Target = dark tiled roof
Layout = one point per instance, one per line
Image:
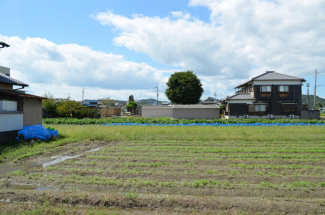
(271, 75)
(14, 93)
(241, 96)
(8, 80)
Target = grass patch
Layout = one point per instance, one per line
(86, 133)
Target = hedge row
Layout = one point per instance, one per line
(140, 120)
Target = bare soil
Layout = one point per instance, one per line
(150, 183)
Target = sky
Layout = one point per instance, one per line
(118, 48)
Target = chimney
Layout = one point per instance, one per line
(5, 70)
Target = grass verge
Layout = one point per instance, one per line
(72, 134)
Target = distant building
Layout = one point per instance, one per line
(210, 100)
(91, 103)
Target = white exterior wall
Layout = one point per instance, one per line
(154, 111)
(11, 122)
(8, 105)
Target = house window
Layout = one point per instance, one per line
(265, 89)
(250, 89)
(283, 88)
(289, 107)
(260, 108)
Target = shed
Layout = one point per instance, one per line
(157, 111)
(196, 112)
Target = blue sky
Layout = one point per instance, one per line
(118, 48)
(70, 22)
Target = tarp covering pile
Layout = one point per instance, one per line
(37, 132)
(219, 124)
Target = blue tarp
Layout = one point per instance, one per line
(37, 132)
(219, 124)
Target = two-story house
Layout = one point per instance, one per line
(269, 95)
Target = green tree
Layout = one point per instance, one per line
(50, 105)
(73, 109)
(319, 105)
(184, 88)
(132, 106)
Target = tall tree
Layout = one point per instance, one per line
(184, 88)
(50, 105)
(132, 106)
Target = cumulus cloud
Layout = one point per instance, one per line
(244, 38)
(69, 67)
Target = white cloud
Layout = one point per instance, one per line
(244, 38)
(67, 68)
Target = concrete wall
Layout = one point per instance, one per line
(310, 114)
(32, 111)
(157, 111)
(196, 113)
(9, 122)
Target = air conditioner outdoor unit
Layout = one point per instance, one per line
(245, 116)
(271, 116)
(292, 116)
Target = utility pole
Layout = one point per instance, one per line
(83, 93)
(157, 95)
(315, 89)
(308, 95)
